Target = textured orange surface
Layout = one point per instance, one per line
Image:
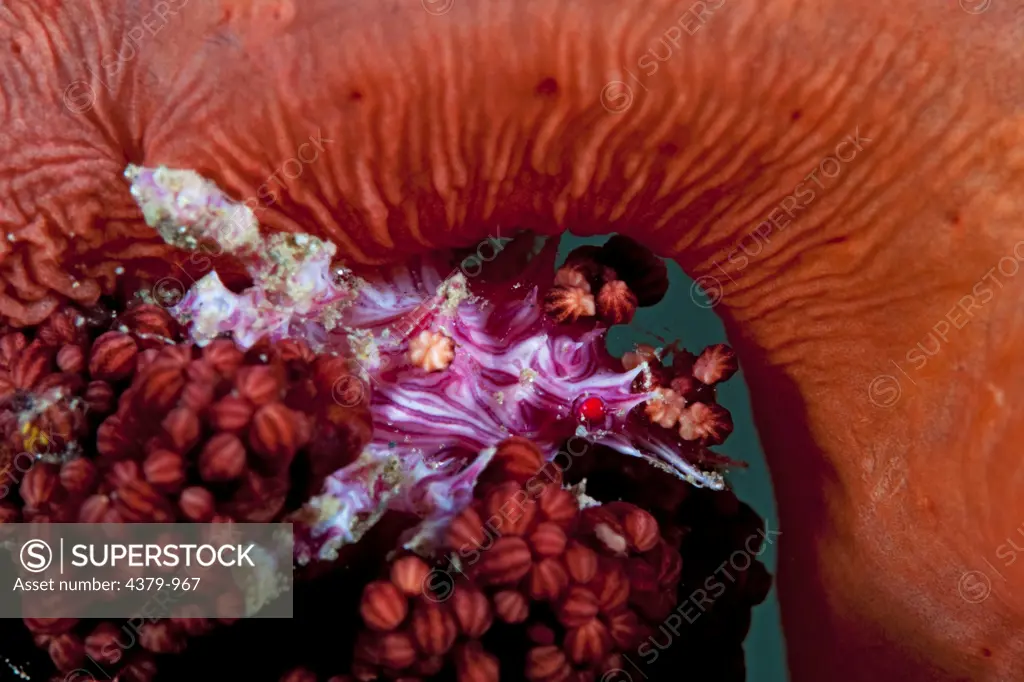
(876, 304)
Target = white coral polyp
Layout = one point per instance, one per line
(665, 407)
(431, 351)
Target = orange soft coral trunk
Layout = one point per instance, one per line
(397, 128)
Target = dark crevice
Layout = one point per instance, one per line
(548, 86)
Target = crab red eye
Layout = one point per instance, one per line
(592, 409)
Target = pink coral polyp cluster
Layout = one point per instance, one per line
(449, 372)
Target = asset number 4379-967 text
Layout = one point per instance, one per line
(148, 584)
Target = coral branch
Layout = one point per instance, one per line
(187, 209)
(295, 293)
